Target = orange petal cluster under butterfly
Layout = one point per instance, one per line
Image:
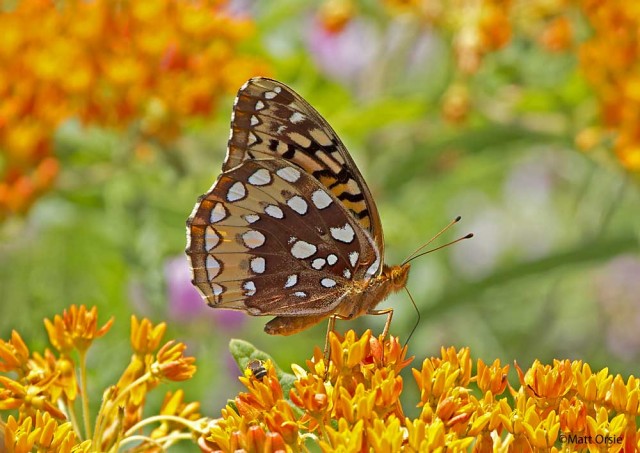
(108, 63)
(354, 405)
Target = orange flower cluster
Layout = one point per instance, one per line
(44, 390)
(610, 61)
(108, 63)
(353, 405)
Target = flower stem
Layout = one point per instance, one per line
(71, 413)
(190, 424)
(85, 394)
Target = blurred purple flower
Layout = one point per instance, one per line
(346, 54)
(618, 291)
(186, 304)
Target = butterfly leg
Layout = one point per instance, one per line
(387, 324)
(327, 345)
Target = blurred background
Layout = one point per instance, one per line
(521, 116)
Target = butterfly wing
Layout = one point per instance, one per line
(269, 239)
(271, 120)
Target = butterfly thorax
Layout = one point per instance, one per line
(367, 295)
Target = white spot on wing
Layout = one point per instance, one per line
(274, 211)
(211, 239)
(343, 234)
(270, 94)
(277, 89)
(253, 138)
(292, 280)
(332, 259)
(318, 263)
(259, 105)
(328, 283)
(250, 288)
(300, 294)
(253, 239)
(289, 174)
(281, 129)
(218, 213)
(254, 120)
(217, 289)
(321, 199)
(296, 118)
(298, 204)
(261, 177)
(258, 264)
(213, 267)
(353, 258)
(373, 269)
(302, 249)
(236, 192)
(346, 273)
(252, 218)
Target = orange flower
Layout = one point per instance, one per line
(174, 405)
(557, 35)
(624, 397)
(492, 378)
(389, 353)
(13, 354)
(22, 436)
(334, 15)
(591, 388)
(145, 338)
(29, 397)
(75, 329)
(438, 375)
(310, 394)
(601, 427)
(573, 415)
(172, 364)
(120, 60)
(346, 437)
(547, 382)
(64, 367)
(541, 432)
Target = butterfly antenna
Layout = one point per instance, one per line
(417, 320)
(468, 236)
(413, 255)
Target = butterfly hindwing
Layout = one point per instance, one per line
(271, 120)
(270, 239)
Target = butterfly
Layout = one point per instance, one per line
(289, 229)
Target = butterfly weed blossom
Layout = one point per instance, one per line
(350, 402)
(43, 394)
(465, 405)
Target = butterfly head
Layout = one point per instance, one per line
(397, 275)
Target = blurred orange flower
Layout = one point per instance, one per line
(158, 63)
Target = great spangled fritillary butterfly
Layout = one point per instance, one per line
(289, 229)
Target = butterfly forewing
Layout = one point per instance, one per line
(270, 239)
(271, 120)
